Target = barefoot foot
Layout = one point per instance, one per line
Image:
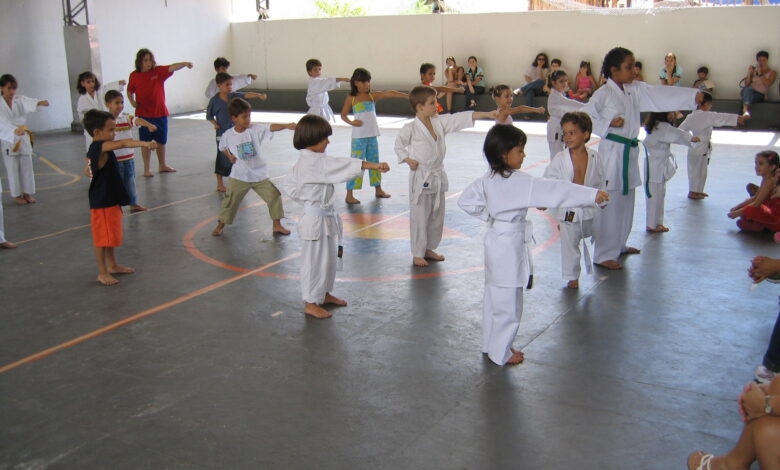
(575, 284)
(420, 262)
(333, 300)
(218, 229)
(29, 198)
(119, 269)
(657, 229)
(352, 200)
(433, 256)
(516, 358)
(630, 250)
(610, 264)
(316, 311)
(279, 228)
(107, 279)
(381, 194)
(148, 174)
(20, 200)
(8, 245)
(137, 208)
(167, 169)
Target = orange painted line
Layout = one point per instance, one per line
(138, 316)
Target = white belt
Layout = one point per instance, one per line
(316, 210)
(502, 226)
(526, 228)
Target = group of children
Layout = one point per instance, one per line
(577, 181)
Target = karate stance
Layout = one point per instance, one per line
(310, 183)
(614, 109)
(502, 198)
(580, 165)
(700, 124)
(420, 144)
(660, 165)
(317, 92)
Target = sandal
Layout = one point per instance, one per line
(704, 463)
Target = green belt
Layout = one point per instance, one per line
(627, 144)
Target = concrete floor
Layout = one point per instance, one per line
(216, 366)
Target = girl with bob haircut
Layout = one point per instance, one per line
(502, 198)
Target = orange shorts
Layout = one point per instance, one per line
(107, 226)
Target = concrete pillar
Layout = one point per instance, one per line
(82, 52)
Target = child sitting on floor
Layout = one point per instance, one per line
(761, 210)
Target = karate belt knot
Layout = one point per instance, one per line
(317, 210)
(627, 145)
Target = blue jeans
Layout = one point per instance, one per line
(478, 90)
(127, 173)
(531, 89)
(750, 96)
(772, 356)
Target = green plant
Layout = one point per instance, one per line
(420, 7)
(334, 8)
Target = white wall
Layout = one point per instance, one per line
(393, 47)
(33, 51)
(197, 31)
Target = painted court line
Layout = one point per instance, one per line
(138, 316)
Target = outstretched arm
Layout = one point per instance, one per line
(278, 127)
(448, 89)
(147, 124)
(526, 109)
(380, 95)
(127, 144)
(256, 96)
(179, 65)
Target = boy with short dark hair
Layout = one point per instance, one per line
(700, 123)
(579, 165)
(221, 65)
(317, 92)
(702, 81)
(241, 145)
(217, 114)
(420, 144)
(107, 193)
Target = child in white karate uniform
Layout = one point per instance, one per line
(421, 145)
(557, 106)
(221, 65)
(502, 198)
(15, 143)
(615, 110)
(3, 242)
(310, 183)
(317, 92)
(92, 96)
(700, 124)
(580, 165)
(660, 164)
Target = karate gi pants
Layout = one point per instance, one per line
(426, 225)
(2, 224)
(503, 307)
(654, 213)
(555, 144)
(697, 172)
(318, 268)
(614, 226)
(570, 247)
(21, 179)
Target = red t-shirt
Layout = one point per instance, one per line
(149, 90)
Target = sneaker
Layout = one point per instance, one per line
(764, 375)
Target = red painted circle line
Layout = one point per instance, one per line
(189, 245)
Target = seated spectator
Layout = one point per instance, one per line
(475, 82)
(638, 76)
(761, 268)
(584, 83)
(535, 77)
(761, 210)
(702, 81)
(759, 406)
(757, 82)
(670, 73)
(449, 79)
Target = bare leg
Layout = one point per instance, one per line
(350, 199)
(220, 184)
(104, 277)
(113, 266)
(380, 192)
(218, 229)
(449, 101)
(279, 228)
(161, 160)
(146, 155)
